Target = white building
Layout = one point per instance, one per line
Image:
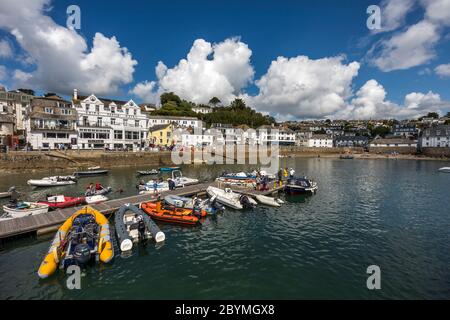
(202, 109)
(393, 143)
(109, 124)
(269, 134)
(51, 124)
(196, 140)
(436, 137)
(320, 141)
(184, 122)
(18, 104)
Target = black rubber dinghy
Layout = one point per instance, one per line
(134, 225)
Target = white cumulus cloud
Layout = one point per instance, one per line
(393, 13)
(303, 87)
(61, 57)
(370, 103)
(443, 70)
(209, 70)
(408, 49)
(146, 91)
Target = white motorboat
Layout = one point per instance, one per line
(52, 181)
(96, 199)
(230, 199)
(24, 209)
(445, 169)
(269, 201)
(149, 187)
(181, 181)
(5, 194)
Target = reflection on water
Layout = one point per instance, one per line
(390, 213)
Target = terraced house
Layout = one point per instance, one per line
(51, 123)
(109, 124)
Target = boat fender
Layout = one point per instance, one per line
(126, 245)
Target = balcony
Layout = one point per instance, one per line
(93, 124)
(56, 127)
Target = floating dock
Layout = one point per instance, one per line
(49, 222)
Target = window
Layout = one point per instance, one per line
(113, 121)
(136, 123)
(66, 111)
(118, 134)
(49, 110)
(97, 108)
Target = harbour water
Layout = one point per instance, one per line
(390, 213)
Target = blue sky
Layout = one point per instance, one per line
(165, 31)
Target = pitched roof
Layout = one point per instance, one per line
(159, 127)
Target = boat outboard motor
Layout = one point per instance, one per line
(245, 201)
(81, 254)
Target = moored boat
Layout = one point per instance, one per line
(444, 169)
(147, 172)
(133, 225)
(204, 207)
(6, 194)
(230, 199)
(168, 169)
(169, 214)
(55, 181)
(24, 209)
(92, 171)
(181, 181)
(300, 185)
(96, 192)
(83, 238)
(61, 201)
(268, 201)
(95, 199)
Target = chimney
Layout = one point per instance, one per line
(75, 94)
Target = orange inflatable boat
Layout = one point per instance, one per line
(171, 214)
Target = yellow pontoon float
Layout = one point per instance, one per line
(83, 237)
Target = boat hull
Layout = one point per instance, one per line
(227, 199)
(57, 251)
(20, 213)
(49, 183)
(68, 202)
(177, 216)
(90, 173)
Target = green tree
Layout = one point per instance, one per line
(214, 101)
(433, 115)
(169, 96)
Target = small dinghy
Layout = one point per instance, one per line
(7, 194)
(95, 199)
(149, 187)
(24, 209)
(180, 181)
(170, 214)
(208, 206)
(52, 181)
(444, 169)
(269, 201)
(98, 192)
(230, 199)
(92, 171)
(82, 239)
(133, 225)
(61, 201)
(168, 169)
(148, 172)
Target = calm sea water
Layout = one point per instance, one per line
(391, 213)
